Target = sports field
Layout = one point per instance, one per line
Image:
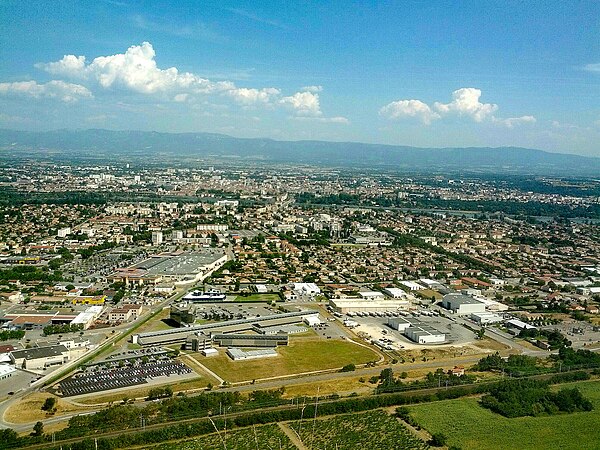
(302, 355)
(469, 426)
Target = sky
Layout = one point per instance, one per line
(421, 73)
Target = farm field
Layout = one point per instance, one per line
(469, 426)
(373, 430)
(302, 355)
(263, 437)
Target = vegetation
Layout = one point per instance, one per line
(264, 436)
(470, 427)
(517, 398)
(372, 430)
(60, 329)
(5, 335)
(29, 273)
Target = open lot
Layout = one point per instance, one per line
(302, 355)
(469, 426)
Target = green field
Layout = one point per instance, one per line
(373, 430)
(302, 355)
(469, 426)
(268, 298)
(262, 437)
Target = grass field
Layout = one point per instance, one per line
(261, 437)
(302, 355)
(469, 426)
(268, 298)
(29, 408)
(373, 430)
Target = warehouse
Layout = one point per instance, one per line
(41, 357)
(399, 323)
(346, 305)
(230, 326)
(462, 304)
(250, 340)
(486, 318)
(424, 334)
(239, 355)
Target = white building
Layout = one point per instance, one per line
(371, 295)
(157, 237)
(63, 232)
(424, 334)
(411, 285)
(486, 318)
(395, 292)
(306, 289)
(349, 304)
(462, 304)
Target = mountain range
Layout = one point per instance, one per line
(98, 142)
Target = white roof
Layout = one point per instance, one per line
(5, 369)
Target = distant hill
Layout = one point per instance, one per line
(98, 142)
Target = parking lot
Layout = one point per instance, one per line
(122, 373)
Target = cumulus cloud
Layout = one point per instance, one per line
(56, 89)
(303, 103)
(402, 109)
(465, 103)
(136, 70)
(250, 96)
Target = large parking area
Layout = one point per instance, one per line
(121, 374)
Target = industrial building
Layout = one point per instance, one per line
(422, 333)
(250, 340)
(238, 355)
(178, 268)
(348, 304)
(180, 335)
(399, 323)
(486, 318)
(462, 304)
(39, 358)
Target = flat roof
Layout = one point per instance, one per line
(461, 299)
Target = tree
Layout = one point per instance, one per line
(38, 429)
(438, 440)
(479, 334)
(49, 404)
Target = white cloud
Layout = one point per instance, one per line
(402, 109)
(250, 96)
(303, 103)
(56, 89)
(136, 70)
(592, 67)
(511, 122)
(465, 102)
(313, 89)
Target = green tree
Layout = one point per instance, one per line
(38, 429)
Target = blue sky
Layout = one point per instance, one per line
(423, 73)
